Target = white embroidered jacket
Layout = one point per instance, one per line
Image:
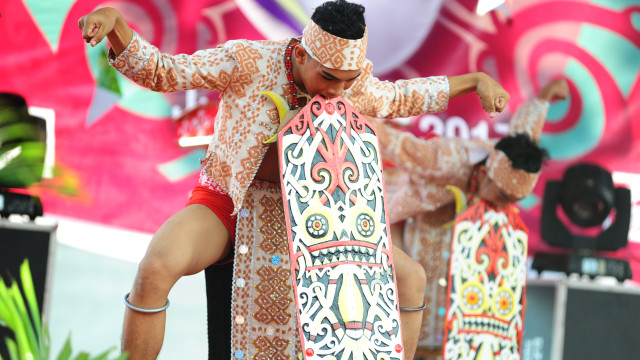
(425, 167)
(239, 69)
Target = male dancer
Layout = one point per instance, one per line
(328, 60)
(416, 189)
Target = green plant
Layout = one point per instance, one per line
(21, 315)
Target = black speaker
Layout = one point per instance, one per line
(20, 241)
(19, 204)
(580, 320)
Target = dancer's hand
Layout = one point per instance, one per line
(493, 97)
(557, 89)
(106, 22)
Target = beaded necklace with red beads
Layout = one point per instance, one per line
(288, 65)
(473, 183)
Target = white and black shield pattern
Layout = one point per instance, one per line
(341, 259)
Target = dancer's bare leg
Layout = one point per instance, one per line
(397, 231)
(186, 244)
(412, 282)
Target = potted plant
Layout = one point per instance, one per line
(20, 313)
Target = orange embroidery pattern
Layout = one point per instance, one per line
(270, 349)
(273, 301)
(262, 292)
(429, 244)
(273, 228)
(240, 69)
(332, 51)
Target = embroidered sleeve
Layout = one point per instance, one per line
(437, 160)
(143, 63)
(409, 195)
(402, 98)
(422, 168)
(530, 118)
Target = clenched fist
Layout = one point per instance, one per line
(493, 97)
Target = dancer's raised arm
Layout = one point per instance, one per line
(106, 22)
(493, 97)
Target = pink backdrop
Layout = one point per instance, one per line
(117, 161)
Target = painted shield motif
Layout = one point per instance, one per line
(486, 287)
(341, 261)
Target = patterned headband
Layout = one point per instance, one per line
(514, 182)
(332, 51)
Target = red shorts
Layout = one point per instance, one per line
(221, 205)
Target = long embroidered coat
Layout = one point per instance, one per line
(240, 69)
(416, 193)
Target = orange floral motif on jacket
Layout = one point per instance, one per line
(239, 69)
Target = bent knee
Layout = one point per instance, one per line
(156, 273)
(413, 279)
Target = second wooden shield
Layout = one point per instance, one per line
(486, 285)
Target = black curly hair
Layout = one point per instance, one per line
(341, 18)
(523, 152)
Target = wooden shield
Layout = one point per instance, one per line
(486, 284)
(341, 260)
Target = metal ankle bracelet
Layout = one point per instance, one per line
(146, 311)
(424, 306)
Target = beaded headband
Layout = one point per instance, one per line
(514, 182)
(332, 51)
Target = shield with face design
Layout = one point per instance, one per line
(486, 287)
(341, 260)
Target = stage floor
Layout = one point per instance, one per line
(93, 268)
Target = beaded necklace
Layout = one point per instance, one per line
(473, 182)
(288, 65)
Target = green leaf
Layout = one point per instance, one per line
(123, 356)
(65, 353)
(31, 336)
(45, 341)
(107, 75)
(32, 301)
(12, 349)
(104, 355)
(7, 315)
(17, 325)
(82, 356)
(25, 168)
(23, 331)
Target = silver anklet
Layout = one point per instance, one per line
(147, 311)
(424, 306)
